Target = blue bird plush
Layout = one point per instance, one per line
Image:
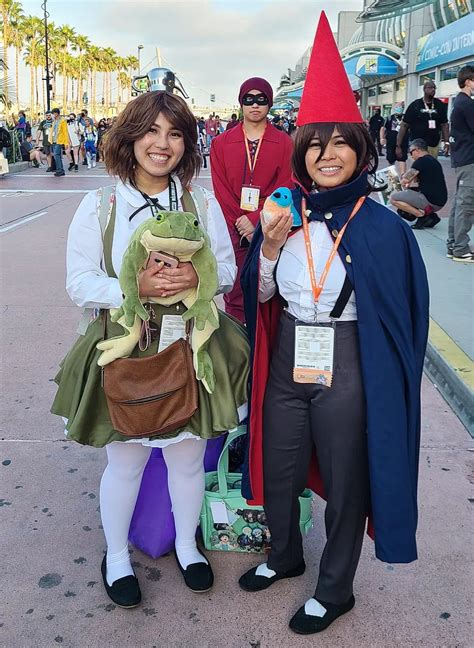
(278, 200)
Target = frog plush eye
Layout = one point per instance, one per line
(158, 217)
(196, 223)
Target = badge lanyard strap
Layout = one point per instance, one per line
(252, 163)
(317, 287)
(431, 110)
(155, 205)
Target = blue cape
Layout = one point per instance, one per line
(384, 264)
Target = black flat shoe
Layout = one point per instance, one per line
(124, 592)
(303, 623)
(406, 215)
(432, 220)
(198, 576)
(250, 582)
(420, 223)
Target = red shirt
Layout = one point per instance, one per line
(230, 170)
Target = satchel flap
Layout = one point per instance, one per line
(149, 378)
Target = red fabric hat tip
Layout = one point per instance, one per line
(327, 94)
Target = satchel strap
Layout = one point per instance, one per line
(194, 201)
(223, 463)
(108, 237)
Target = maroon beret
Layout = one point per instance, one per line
(256, 83)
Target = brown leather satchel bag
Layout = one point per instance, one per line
(152, 395)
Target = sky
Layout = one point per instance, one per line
(212, 45)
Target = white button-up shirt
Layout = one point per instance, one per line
(293, 278)
(87, 282)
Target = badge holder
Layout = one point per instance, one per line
(249, 198)
(314, 352)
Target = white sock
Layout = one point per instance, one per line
(118, 565)
(314, 608)
(263, 570)
(118, 495)
(185, 463)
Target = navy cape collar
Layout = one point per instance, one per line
(320, 202)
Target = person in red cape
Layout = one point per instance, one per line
(337, 315)
(254, 156)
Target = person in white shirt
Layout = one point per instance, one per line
(152, 149)
(337, 315)
(74, 137)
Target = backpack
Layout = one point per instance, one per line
(5, 138)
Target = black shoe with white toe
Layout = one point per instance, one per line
(251, 582)
(303, 623)
(197, 576)
(124, 592)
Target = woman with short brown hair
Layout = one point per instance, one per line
(152, 149)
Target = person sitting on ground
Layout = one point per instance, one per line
(29, 153)
(431, 194)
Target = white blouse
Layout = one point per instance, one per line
(87, 282)
(293, 279)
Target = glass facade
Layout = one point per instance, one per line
(446, 74)
(428, 76)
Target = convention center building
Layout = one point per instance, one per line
(391, 48)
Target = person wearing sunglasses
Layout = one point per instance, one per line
(424, 188)
(248, 162)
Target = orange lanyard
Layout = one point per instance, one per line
(317, 288)
(252, 163)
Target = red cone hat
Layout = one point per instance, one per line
(327, 94)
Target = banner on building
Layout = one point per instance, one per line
(451, 43)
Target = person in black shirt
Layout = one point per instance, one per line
(431, 193)
(462, 159)
(389, 138)
(29, 153)
(426, 119)
(375, 124)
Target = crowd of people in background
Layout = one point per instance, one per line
(53, 137)
(420, 131)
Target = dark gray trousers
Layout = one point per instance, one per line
(296, 417)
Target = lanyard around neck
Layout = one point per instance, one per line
(252, 162)
(317, 287)
(154, 204)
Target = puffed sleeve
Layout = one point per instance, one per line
(87, 283)
(220, 243)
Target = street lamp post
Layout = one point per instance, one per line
(46, 47)
(140, 47)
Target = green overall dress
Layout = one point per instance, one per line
(81, 399)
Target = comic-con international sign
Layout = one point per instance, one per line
(451, 43)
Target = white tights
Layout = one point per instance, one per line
(119, 491)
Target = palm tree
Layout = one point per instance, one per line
(110, 65)
(123, 83)
(83, 44)
(33, 30)
(132, 64)
(95, 62)
(11, 13)
(67, 37)
(17, 41)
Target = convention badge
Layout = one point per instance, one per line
(249, 198)
(431, 123)
(173, 327)
(314, 354)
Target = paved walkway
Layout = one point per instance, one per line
(51, 540)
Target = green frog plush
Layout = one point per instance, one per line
(181, 235)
